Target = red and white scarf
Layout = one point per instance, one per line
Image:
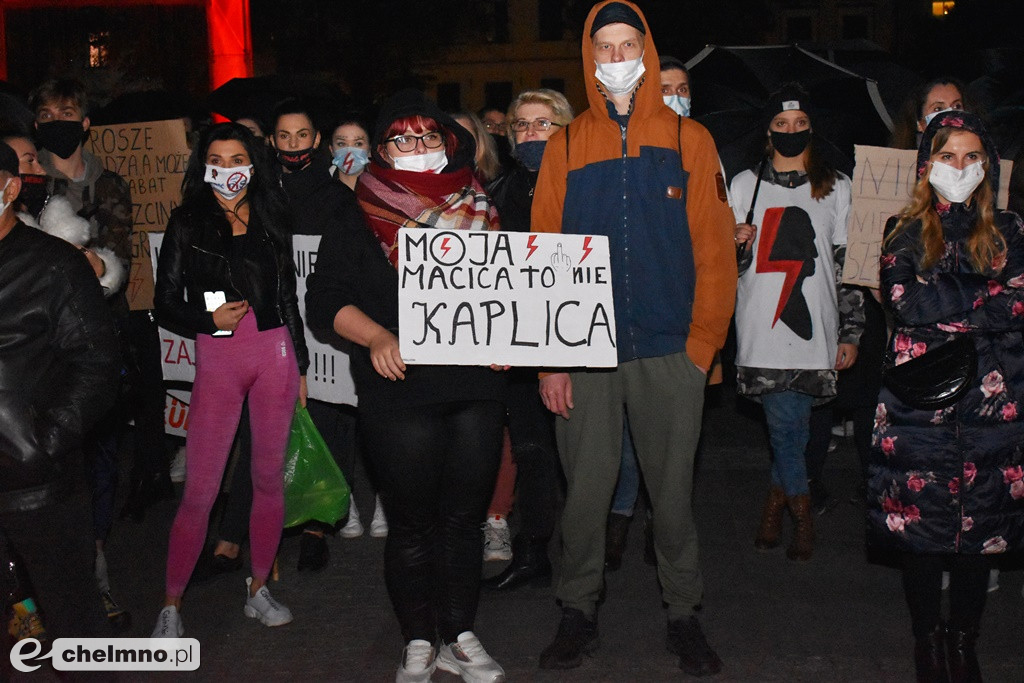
(393, 199)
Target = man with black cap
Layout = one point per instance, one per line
(632, 169)
(58, 375)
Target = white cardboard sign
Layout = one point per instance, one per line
(507, 298)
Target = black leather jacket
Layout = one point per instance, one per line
(59, 363)
(195, 258)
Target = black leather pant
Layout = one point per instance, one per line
(436, 466)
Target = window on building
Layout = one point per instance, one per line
(498, 94)
(99, 49)
(557, 84)
(855, 26)
(498, 10)
(550, 21)
(799, 28)
(941, 9)
(449, 96)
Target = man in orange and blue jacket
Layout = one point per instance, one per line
(633, 170)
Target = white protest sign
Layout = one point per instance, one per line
(508, 298)
(177, 353)
(176, 407)
(883, 182)
(328, 377)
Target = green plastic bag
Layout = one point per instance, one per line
(314, 487)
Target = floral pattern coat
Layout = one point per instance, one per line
(951, 481)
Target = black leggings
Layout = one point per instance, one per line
(968, 588)
(436, 465)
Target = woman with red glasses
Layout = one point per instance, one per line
(432, 433)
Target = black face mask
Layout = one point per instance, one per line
(33, 193)
(60, 137)
(295, 161)
(790, 144)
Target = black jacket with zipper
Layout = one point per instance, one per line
(195, 257)
(59, 364)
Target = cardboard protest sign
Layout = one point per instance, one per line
(151, 157)
(478, 297)
(328, 377)
(883, 181)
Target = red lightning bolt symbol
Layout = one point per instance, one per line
(444, 246)
(529, 245)
(586, 248)
(769, 231)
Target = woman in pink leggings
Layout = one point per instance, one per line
(225, 274)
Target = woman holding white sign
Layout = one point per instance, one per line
(226, 275)
(946, 489)
(433, 433)
(795, 326)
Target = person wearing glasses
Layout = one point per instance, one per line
(533, 117)
(433, 433)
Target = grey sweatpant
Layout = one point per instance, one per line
(664, 400)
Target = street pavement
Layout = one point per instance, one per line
(838, 617)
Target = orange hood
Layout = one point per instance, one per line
(648, 95)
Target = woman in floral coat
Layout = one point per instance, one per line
(946, 487)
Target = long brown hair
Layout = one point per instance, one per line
(985, 244)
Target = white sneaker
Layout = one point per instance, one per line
(468, 658)
(353, 527)
(168, 624)
(264, 607)
(418, 663)
(379, 525)
(993, 580)
(178, 466)
(497, 540)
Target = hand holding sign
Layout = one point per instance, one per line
(560, 259)
(385, 356)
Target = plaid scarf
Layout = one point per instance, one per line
(392, 199)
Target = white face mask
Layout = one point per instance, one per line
(620, 77)
(431, 162)
(228, 182)
(678, 104)
(956, 186)
(928, 117)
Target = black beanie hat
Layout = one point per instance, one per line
(8, 159)
(616, 13)
(789, 97)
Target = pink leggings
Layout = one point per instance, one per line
(250, 364)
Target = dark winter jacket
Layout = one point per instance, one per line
(196, 257)
(512, 193)
(58, 363)
(318, 202)
(945, 481)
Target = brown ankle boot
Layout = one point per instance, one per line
(771, 520)
(803, 536)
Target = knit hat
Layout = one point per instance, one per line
(790, 97)
(8, 159)
(962, 120)
(617, 13)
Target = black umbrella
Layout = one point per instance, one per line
(731, 85)
(15, 114)
(143, 105)
(256, 97)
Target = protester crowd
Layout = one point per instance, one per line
(469, 463)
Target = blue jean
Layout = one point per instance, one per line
(629, 475)
(789, 427)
